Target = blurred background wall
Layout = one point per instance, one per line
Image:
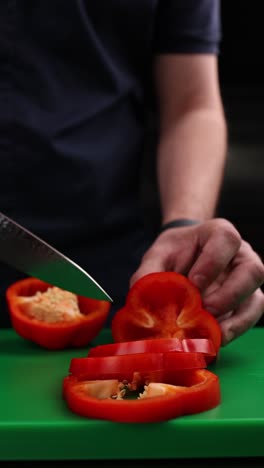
(242, 81)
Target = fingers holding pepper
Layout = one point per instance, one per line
(225, 268)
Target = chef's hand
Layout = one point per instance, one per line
(223, 266)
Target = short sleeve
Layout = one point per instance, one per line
(187, 26)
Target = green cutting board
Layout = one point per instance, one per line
(35, 423)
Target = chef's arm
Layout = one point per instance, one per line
(192, 135)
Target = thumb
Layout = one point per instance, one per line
(173, 250)
(150, 263)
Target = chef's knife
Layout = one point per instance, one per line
(23, 250)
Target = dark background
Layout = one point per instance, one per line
(242, 78)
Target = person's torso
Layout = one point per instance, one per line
(72, 85)
(73, 82)
(72, 111)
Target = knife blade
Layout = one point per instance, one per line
(28, 253)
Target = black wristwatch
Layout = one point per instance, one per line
(179, 223)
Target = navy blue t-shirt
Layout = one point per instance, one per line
(74, 80)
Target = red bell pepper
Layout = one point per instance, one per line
(76, 332)
(158, 345)
(124, 367)
(164, 305)
(196, 391)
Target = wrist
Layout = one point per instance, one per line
(179, 222)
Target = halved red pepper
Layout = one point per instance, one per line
(195, 391)
(125, 366)
(77, 332)
(158, 345)
(164, 305)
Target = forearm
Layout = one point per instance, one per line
(191, 160)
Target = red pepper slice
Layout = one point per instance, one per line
(123, 367)
(197, 391)
(164, 305)
(158, 345)
(77, 332)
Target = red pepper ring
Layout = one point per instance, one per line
(164, 305)
(123, 367)
(92, 399)
(57, 335)
(158, 345)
